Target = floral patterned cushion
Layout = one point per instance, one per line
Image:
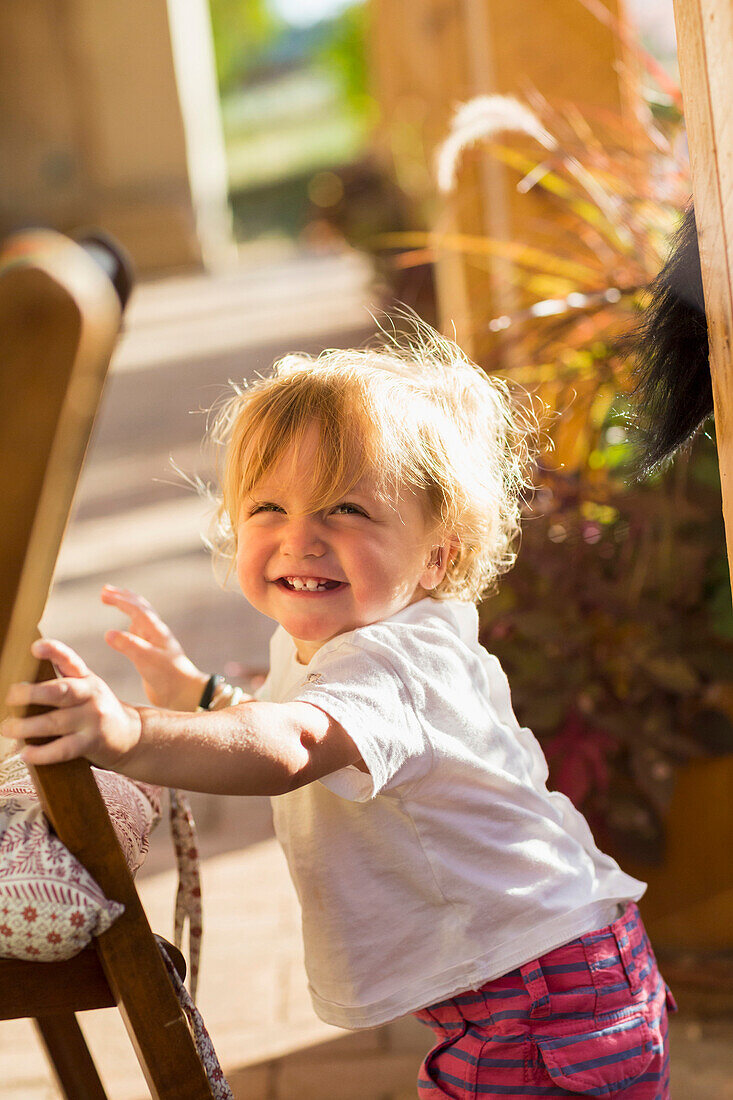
(50, 906)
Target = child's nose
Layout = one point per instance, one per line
(302, 537)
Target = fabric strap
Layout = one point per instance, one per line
(202, 1040)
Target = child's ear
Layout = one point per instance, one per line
(437, 564)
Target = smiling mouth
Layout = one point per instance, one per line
(308, 584)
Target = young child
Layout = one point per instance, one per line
(368, 499)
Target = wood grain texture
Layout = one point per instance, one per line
(705, 45)
(74, 1069)
(59, 317)
(48, 988)
(128, 953)
(691, 897)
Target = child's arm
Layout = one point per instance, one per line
(253, 748)
(169, 678)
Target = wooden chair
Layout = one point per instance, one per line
(59, 318)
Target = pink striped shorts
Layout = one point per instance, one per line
(588, 1018)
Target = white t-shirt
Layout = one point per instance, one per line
(449, 863)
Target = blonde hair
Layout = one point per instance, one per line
(415, 414)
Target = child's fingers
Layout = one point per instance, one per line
(125, 599)
(131, 645)
(6, 728)
(147, 658)
(50, 693)
(58, 751)
(145, 620)
(53, 723)
(66, 661)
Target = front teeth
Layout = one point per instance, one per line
(310, 584)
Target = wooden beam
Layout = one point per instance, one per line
(419, 73)
(705, 42)
(431, 56)
(72, 1064)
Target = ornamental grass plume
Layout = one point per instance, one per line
(479, 119)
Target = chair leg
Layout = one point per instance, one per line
(69, 1056)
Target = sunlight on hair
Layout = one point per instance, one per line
(411, 411)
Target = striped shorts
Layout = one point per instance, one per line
(588, 1018)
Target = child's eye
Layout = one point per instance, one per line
(348, 509)
(264, 507)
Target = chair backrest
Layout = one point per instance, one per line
(59, 319)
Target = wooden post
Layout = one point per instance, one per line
(429, 57)
(419, 74)
(111, 118)
(705, 41)
(704, 44)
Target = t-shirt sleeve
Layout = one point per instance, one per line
(371, 699)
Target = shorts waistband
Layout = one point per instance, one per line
(598, 972)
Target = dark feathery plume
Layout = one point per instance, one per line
(673, 395)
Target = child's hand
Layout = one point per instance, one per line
(169, 678)
(88, 719)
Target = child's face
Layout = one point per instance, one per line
(369, 558)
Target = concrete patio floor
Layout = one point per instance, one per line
(136, 525)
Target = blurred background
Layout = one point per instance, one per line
(284, 172)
